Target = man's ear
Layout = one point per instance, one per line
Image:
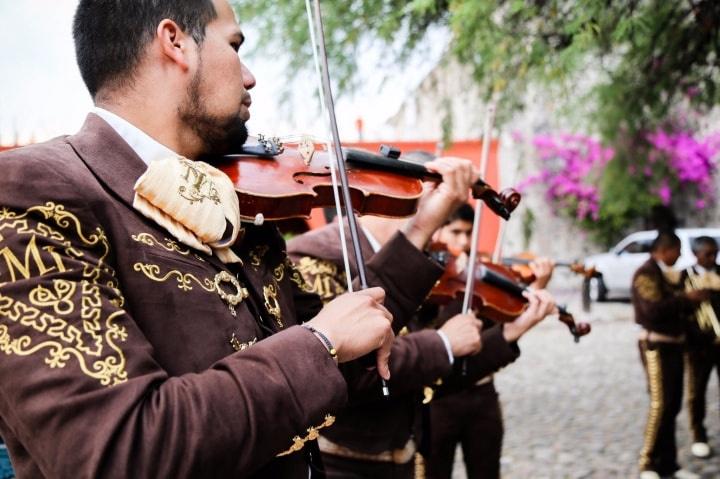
(174, 43)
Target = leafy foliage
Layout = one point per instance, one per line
(649, 57)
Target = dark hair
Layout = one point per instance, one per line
(665, 239)
(701, 241)
(464, 212)
(111, 35)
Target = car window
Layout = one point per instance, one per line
(640, 246)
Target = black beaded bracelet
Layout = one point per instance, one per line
(324, 339)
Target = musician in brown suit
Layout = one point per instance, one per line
(466, 409)
(140, 336)
(703, 341)
(377, 438)
(662, 308)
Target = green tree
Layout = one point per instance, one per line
(652, 55)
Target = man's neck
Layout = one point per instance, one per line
(158, 121)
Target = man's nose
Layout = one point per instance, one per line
(248, 77)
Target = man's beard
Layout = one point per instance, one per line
(219, 135)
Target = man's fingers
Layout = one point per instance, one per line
(378, 294)
(383, 356)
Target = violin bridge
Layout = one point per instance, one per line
(306, 147)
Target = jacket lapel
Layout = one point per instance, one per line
(108, 156)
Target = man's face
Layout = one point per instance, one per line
(217, 102)
(706, 256)
(669, 255)
(456, 235)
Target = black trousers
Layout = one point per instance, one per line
(701, 360)
(663, 364)
(342, 468)
(473, 418)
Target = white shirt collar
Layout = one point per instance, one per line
(146, 147)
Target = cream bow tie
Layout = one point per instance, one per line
(194, 202)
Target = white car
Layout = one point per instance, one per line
(615, 268)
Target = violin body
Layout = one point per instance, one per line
(497, 294)
(291, 183)
(282, 181)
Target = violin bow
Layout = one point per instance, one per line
(472, 260)
(328, 145)
(336, 150)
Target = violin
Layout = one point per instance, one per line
(276, 181)
(519, 264)
(497, 295)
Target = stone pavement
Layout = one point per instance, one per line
(579, 410)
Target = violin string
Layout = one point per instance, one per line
(333, 173)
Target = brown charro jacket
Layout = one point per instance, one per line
(120, 357)
(370, 424)
(659, 304)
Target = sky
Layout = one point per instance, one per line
(42, 94)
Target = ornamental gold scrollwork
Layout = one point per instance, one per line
(647, 288)
(296, 277)
(59, 298)
(272, 305)
(321, 278)
(312, 434)
(237, 345)
(91, 342)
(279, 272)
(199, 186)
(256, 255)
(185, 280)
(168, 245)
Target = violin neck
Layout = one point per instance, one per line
(393, 165)
(525, 261)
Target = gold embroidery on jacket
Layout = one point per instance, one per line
(91, 340)
(185, 280)
(256, 255)
(168, 245)
(647, 288)
(272, 305)
(279, 272)
(312, 434)
(198, 185)
(239, 346)
(60, 298)
(296, 277)
(321, 278)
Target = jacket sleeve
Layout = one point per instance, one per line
(417, 359)
(496, 353)
(83, 394)
(656, 308)
(405, 273)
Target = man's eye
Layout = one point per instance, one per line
(235, 45)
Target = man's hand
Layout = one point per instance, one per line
(356, 324)
(543, 269)
(463, 332)
(441, 199)
(699, 295)
(540, 305)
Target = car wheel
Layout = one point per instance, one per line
(593, 290)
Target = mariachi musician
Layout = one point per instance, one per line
(146, 331)
(703, 340)
(375, 437)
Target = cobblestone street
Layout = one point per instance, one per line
(579, 410)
